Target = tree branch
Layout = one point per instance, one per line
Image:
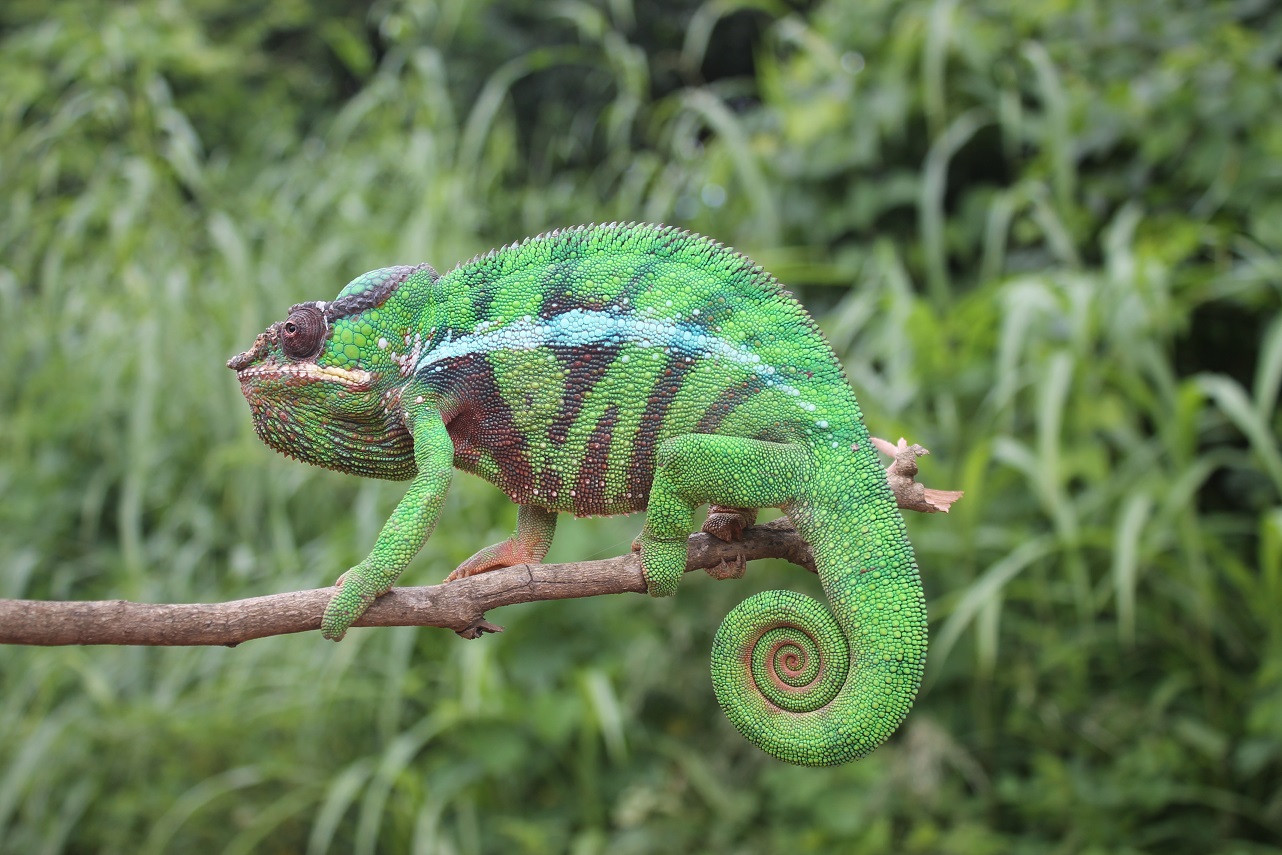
(460, 605)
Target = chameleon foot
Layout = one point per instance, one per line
(728, 568)
(509, 553)
(727, 524)
(347, 605)
(530, 543)
(484, 562)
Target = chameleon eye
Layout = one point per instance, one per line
(303, 333)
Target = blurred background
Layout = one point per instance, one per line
(1045, 239)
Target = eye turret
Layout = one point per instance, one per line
(303, 333)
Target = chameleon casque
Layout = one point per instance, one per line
(604, 370)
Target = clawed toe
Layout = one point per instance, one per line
(727, 527)
(727, 524)
(728, 569)
(463, 571)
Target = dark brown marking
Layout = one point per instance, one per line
(637, 283)
(726, 402)
(584, 366)
(662, 394)
(548, 486)
(480, 423)
(559, 295)
(553, 287)
(589, 487)
(483, 298)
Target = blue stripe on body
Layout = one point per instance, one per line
(579, 327)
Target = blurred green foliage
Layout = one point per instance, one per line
(1046, 239)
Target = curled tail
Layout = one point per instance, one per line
(819, 688)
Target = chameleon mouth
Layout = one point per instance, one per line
(306, 371)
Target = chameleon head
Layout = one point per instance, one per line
(323, 387)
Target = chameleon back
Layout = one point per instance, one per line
(562, 363)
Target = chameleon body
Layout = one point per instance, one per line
(610, 369)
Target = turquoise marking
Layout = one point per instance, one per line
(579, 328)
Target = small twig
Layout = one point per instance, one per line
(902, 474)
(460, 605)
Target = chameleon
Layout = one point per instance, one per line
(608, 369)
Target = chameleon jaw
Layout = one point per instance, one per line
(357, 378)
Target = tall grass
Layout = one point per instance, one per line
(1045, 243)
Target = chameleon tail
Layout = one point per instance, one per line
(819, 689)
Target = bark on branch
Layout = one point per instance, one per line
(460, 605)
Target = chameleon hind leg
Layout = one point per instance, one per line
(694, 469)
(534, 529)
(724, 523)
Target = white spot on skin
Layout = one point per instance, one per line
(382, 343)
(407, 361)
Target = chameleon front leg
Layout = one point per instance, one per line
(404, 532)
(530, 543)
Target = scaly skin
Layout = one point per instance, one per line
(605, 370)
